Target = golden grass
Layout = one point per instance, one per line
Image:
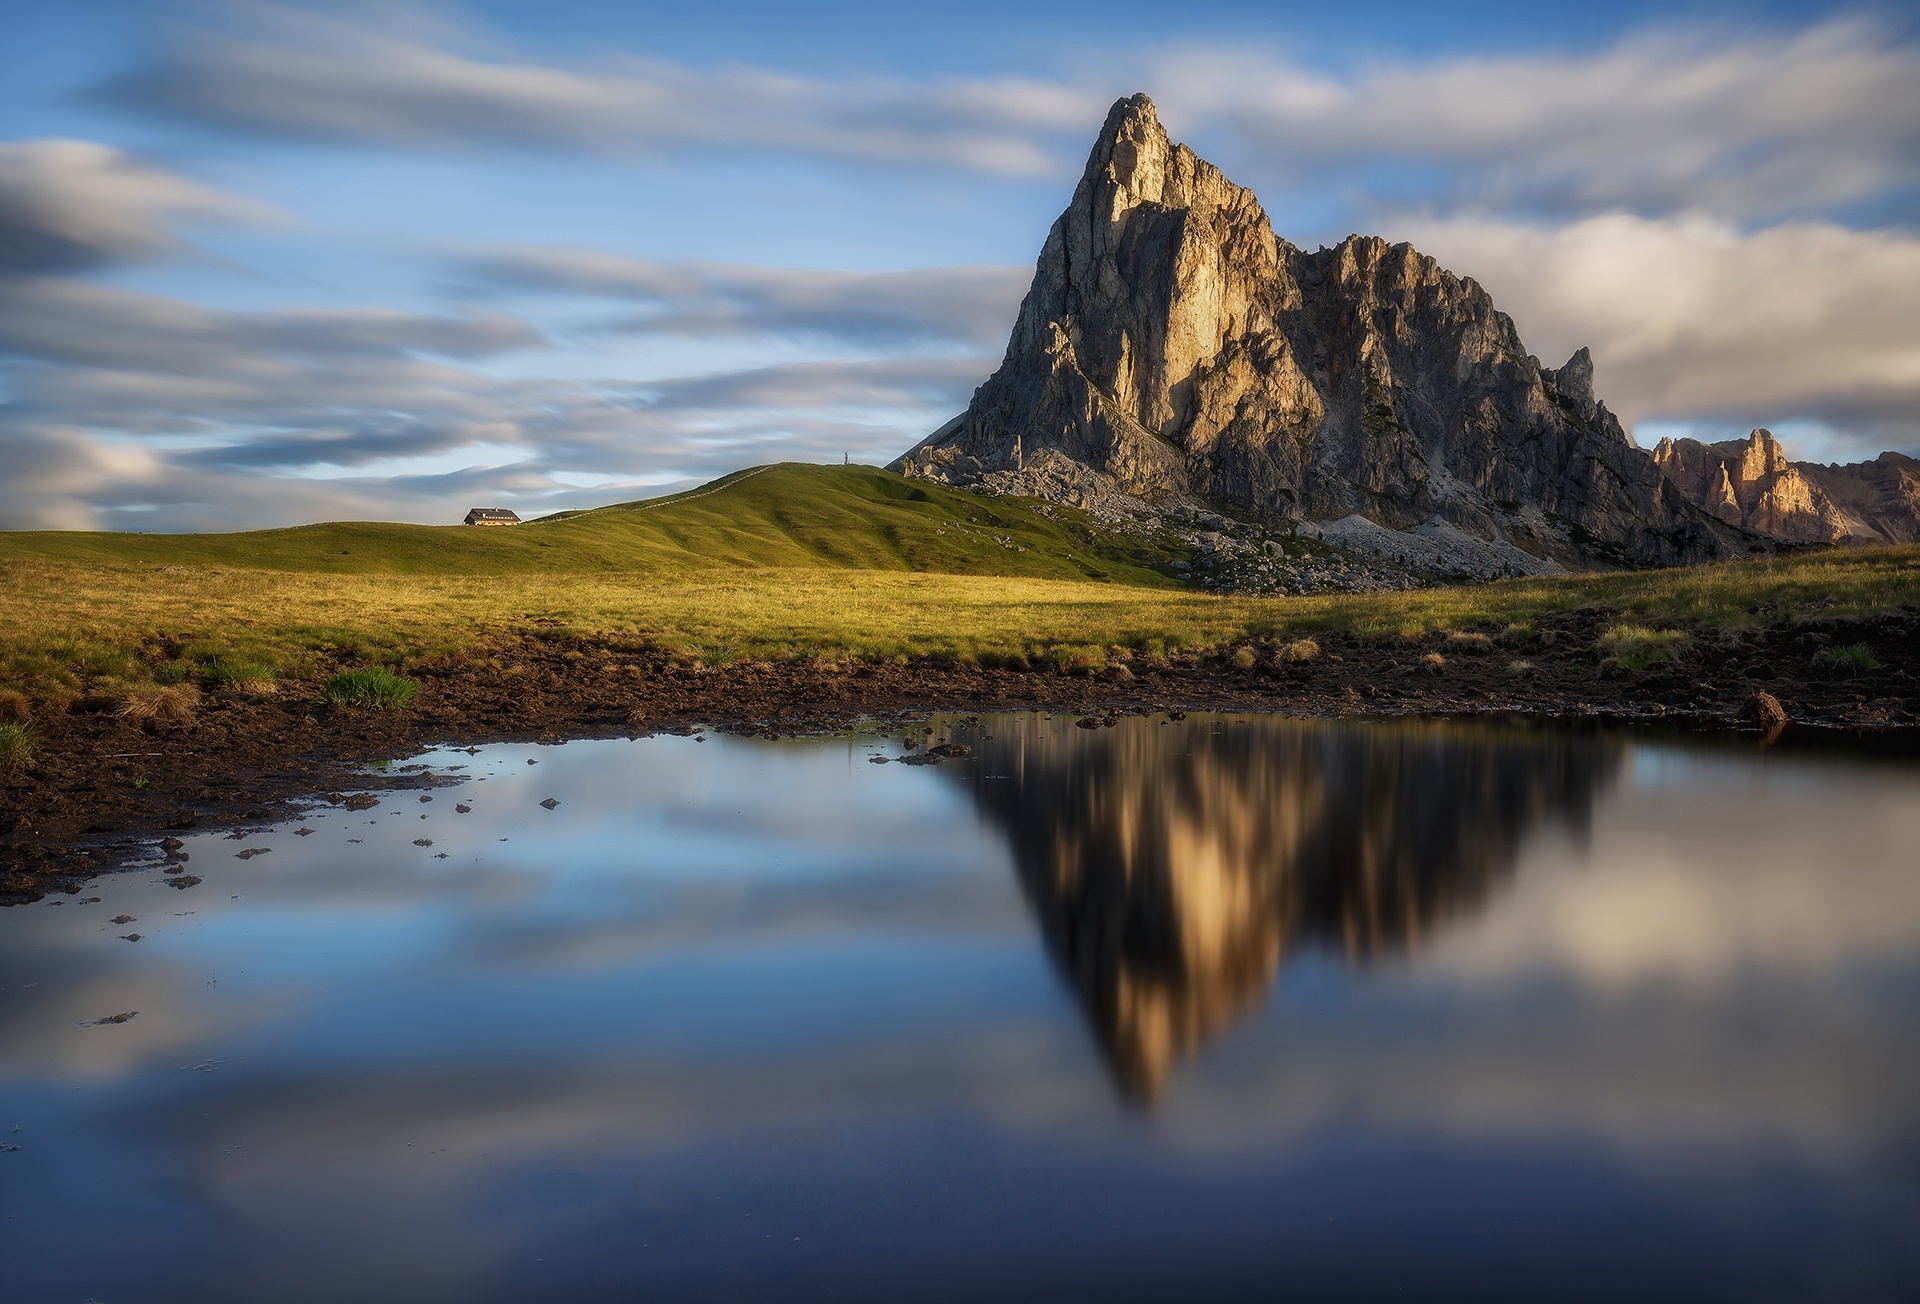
(170, 702)
(1301, 649)
(76, 627)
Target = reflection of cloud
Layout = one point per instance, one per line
(1684, 888)
(1173, 868)
(1690, 317)
(775, 956)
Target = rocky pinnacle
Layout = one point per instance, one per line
(1174, 348)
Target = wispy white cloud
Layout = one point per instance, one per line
(1691, 318)
(1746, 125)
(952, 305)
(303, 74)
(1753, 126)
(138, 410)
(67, 205)
(1618, 199)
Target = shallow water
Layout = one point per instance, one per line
(1215, 1009)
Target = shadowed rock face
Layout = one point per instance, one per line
(1171, 342)
(1751, 483)
(1173, 867)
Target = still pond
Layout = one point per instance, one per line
(1229, 1007)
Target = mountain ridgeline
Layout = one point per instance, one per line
(1173, 348)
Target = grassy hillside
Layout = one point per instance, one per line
(789, 561)
(789, 515)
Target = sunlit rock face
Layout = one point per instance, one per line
(1174, 345)
(1749, 482)
(1173, 867)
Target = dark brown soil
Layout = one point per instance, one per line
(103, 792)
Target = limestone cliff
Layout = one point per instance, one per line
(1173, 343)
(1750, 483)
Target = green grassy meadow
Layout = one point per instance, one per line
(781, 563)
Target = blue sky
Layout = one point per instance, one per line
(271, 263)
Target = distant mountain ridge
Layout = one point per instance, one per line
(1172, 348)
(1749, 482)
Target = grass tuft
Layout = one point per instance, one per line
(252, 677)
(1071, 660)
(1301, 649)
(1433, 663)
(1244, 658)
(16, 745)
(369, 686)
(13, 707)
(1637, 647)
(169, 703)
(1846, 662)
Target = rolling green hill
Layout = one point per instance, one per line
(785, 515)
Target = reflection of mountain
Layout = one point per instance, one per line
(1172, 866)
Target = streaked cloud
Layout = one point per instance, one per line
(139, 410)
(69, 205)
(1759, 125)
(309, 75)
(955, 305)
(1756, 126)
(1677, 200)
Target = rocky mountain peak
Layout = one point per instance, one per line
(1750, 483)
(1173, 349)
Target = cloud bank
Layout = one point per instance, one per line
(1768, 124)
(306, 75)
(939, 305)
(72, 205)
(1692, 319)
(1680, 202)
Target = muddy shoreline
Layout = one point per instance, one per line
(103, 792)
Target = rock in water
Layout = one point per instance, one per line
(1172, 347)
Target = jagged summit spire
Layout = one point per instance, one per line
(1130, 156)
(1172, 347)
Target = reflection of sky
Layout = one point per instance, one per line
(775, 975)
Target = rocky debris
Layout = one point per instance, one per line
(1435, 549)
(1172, 344)
(551, 802)
(110, 1018)
(183, 882)
(1750, 483)
(121, 919)
(251, 852)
